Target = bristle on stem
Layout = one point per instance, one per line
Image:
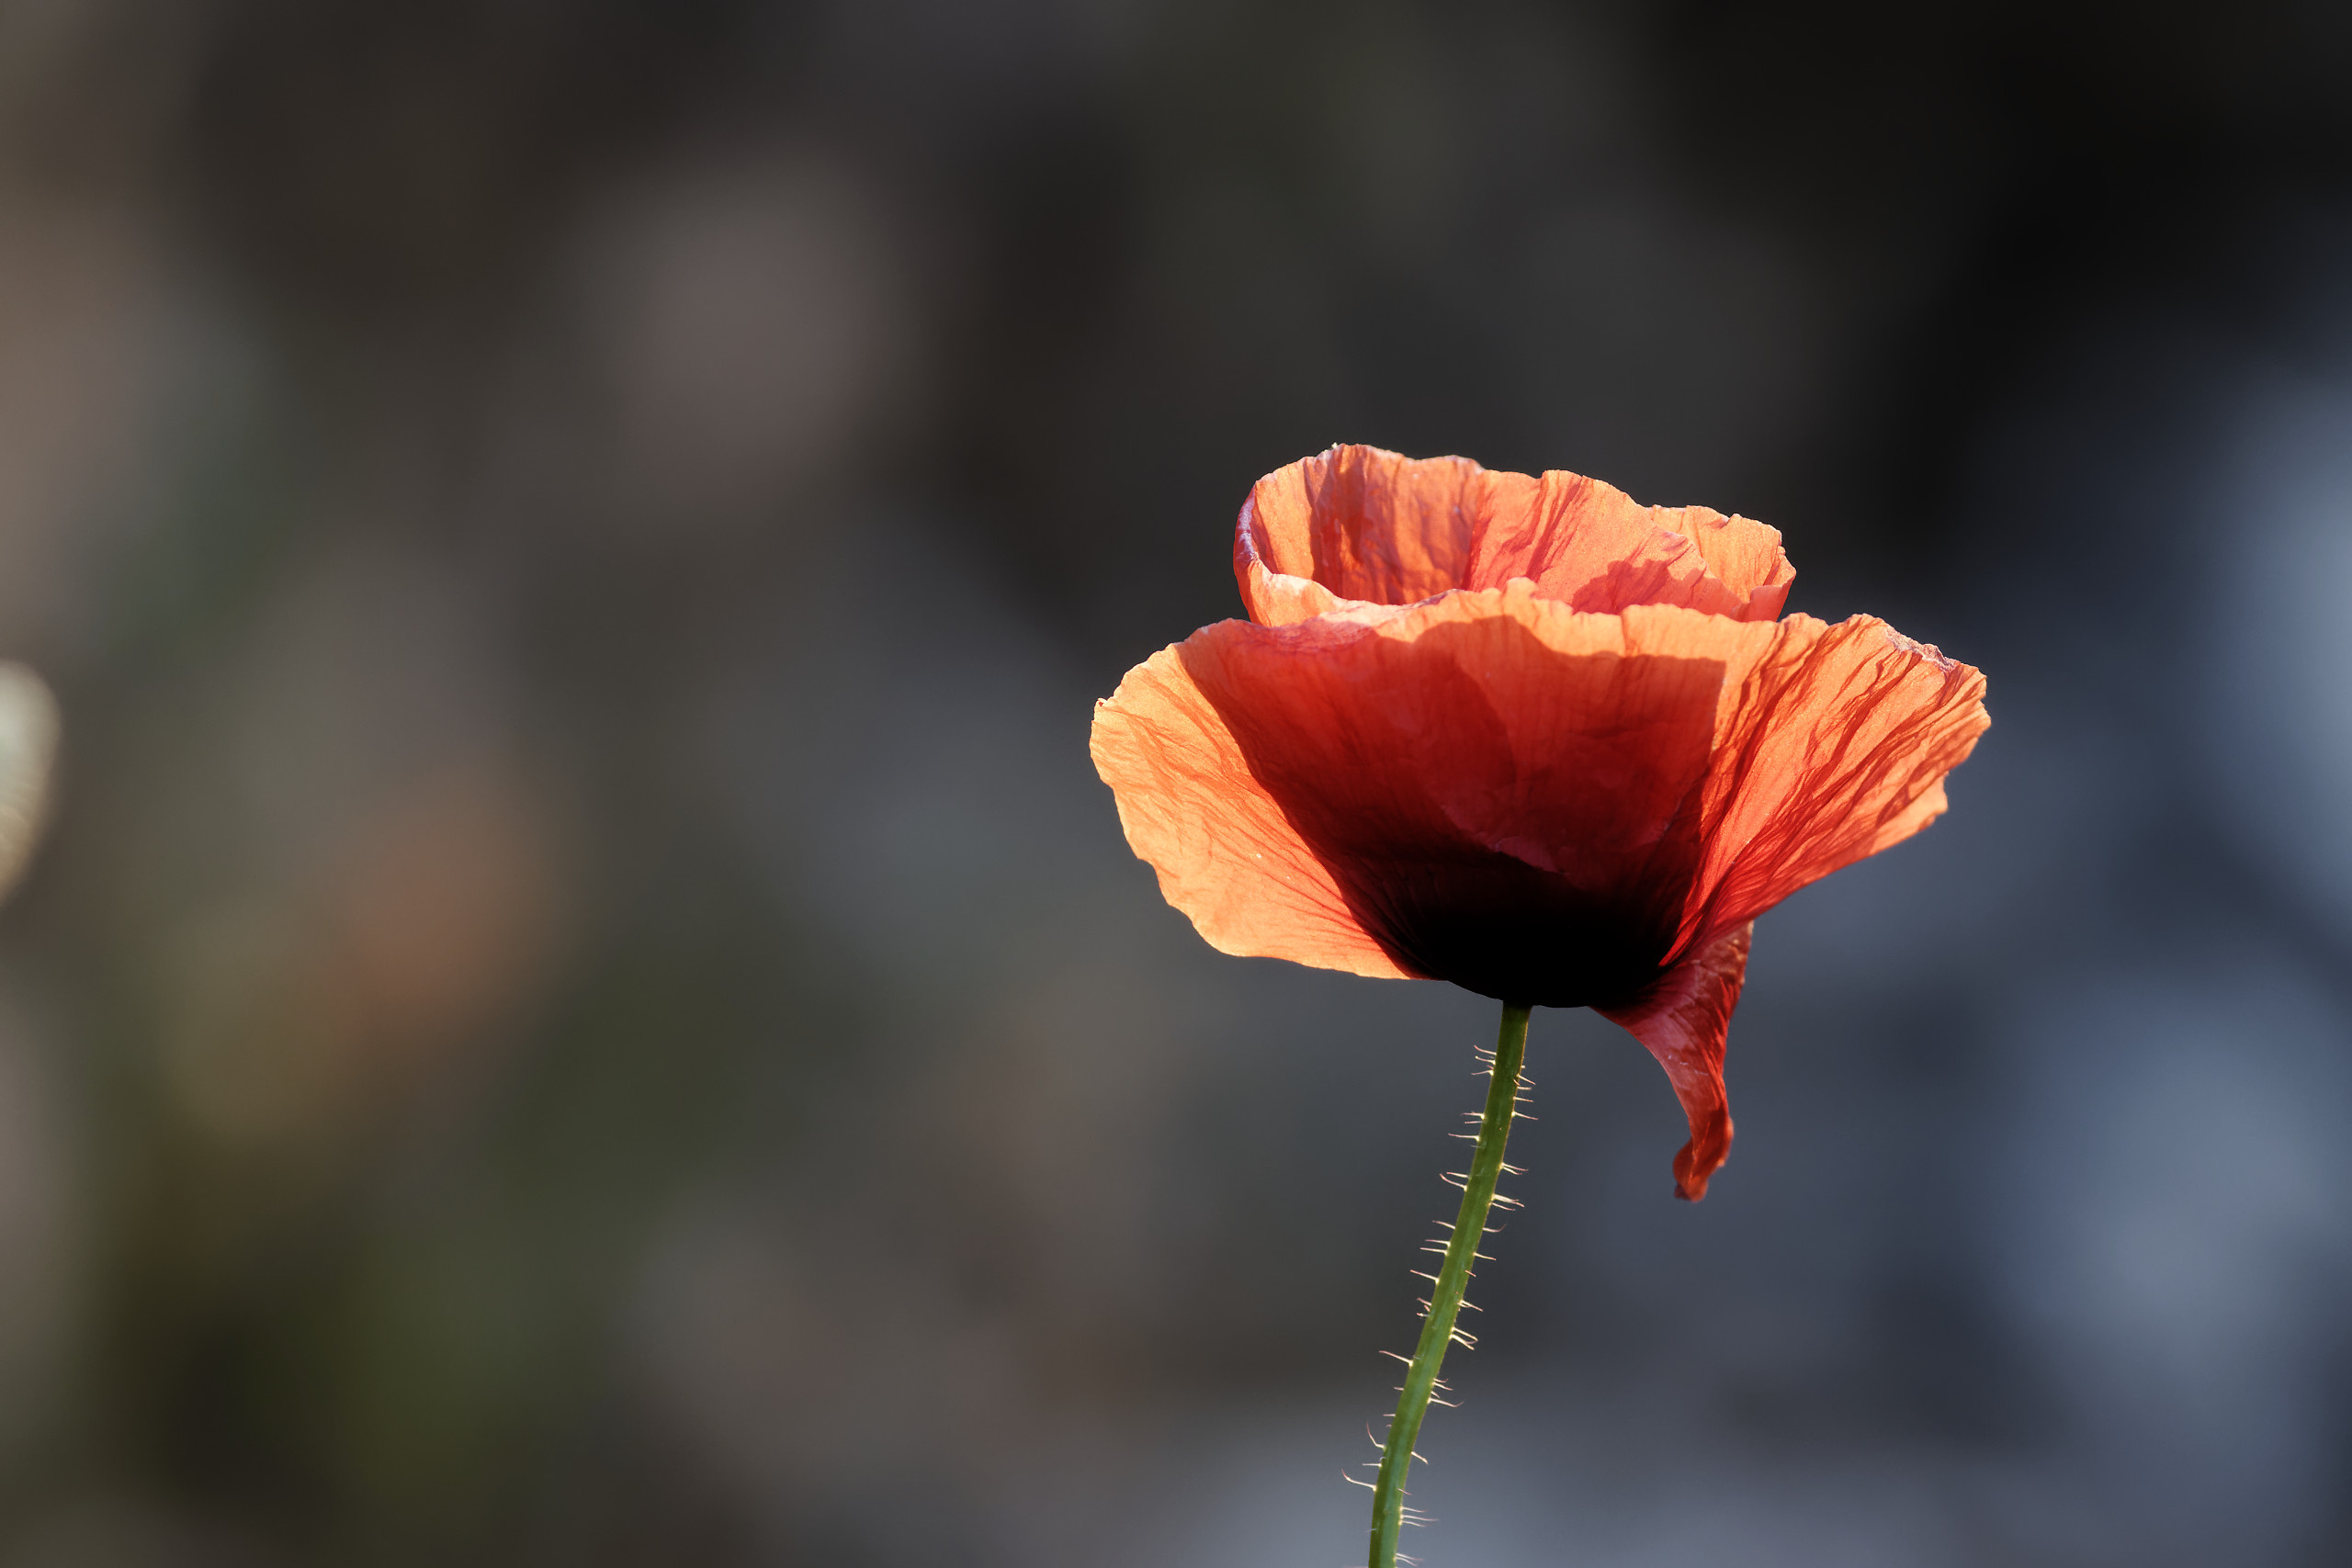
(1505, 1093)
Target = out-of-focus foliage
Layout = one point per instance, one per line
(584, 1005)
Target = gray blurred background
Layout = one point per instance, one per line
(585, 1005)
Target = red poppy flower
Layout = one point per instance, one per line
(1528, 736)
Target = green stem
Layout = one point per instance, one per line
(1445, 1301)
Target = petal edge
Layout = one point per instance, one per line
(1225, 855)
(1683, 1020)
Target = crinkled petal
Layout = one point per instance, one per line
(1499, 787)
(1683, 1019)
(1831, 745)
(1225, 855)
(1359, 525)
(1594, 548)
(1356, 525)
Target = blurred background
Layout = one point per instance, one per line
(584, 1004)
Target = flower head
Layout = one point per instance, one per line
(1528, 736)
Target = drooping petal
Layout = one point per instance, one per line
(1683, 1018)
(1498, 785)
(1360, 524)
(1224, 853)
(1831, 745)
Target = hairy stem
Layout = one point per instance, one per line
(1445, 1301)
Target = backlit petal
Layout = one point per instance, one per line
(1499, 787)
(1224, 856)
(1683, 1018)
(1361, 525)
(1830, 747)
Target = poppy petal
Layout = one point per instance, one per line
(1224, 853)
(1831, 747)
(1683, 1019)
(1493, 781)
(1360, 524)
(1356, 525)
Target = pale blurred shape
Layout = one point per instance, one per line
(28, 729)
(388, 882)
(754, 321)
(446, 904)
(2176, 1243)
(310, 1008)
(86, 341)
(2278, 710)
